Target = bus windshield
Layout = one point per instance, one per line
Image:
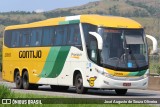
(123, 49)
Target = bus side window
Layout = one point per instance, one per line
(52, 31)
(36, 37)
(91, 42)
(61, 33)
(86, 34)
(25, 38)
(65, 35)
(8, 38)
(46, 41)
(33, 39)
(15, 38)
(86, 29)
(74, 37)
(93, 49)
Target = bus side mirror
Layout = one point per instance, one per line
(99, 39)
(154, 43)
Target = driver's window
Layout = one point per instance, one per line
(91, 42)
(93, 49)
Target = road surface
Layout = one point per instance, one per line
(46, 90)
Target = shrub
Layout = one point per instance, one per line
(5, 92)
(158, 70)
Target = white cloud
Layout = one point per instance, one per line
(39, 10)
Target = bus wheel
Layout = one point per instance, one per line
(26, 84)
(18, 81)
(121, 91)
(79, 84)
(59, 88)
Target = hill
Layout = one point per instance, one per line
(147, 12)
(127, 8)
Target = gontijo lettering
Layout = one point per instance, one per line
(30, 54)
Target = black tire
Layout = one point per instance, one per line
(18, 81)
(79, 84)
(121, 91)
(59, 88)
(26, 84)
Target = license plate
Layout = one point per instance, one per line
(126, 84)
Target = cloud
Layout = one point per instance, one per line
(39, 10)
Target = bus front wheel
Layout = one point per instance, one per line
(18, 81)
(26, 84)
(80, 89)
(121, 91)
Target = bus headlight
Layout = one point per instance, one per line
(103, 73)
(146, 74)
(107, 75)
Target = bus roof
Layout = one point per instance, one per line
(98, 20)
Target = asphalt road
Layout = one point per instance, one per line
(46, 90)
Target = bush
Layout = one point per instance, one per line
(5, 92)
(158, 70)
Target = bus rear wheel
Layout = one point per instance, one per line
(59, 88)
(80, 89)
(26, 84)
(121, 91)
(18, 80)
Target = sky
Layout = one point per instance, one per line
(38, 5)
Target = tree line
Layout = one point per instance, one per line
(22, 17)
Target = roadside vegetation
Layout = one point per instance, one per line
(5, 92)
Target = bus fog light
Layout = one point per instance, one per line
(99, 71)
(106, 82)
(144, 83)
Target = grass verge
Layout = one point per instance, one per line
(5, 92)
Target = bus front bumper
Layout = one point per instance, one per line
(128, 83)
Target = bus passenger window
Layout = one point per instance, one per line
(15, 39)
(74, 37)
(52, 36)
(65, 35)
(77, 37)
(36, 37)
(25, 38)
(60, 36)
(8, 38)
(46, 41)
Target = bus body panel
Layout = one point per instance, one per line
(18, 58)
(136, 80)
(55, 65)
